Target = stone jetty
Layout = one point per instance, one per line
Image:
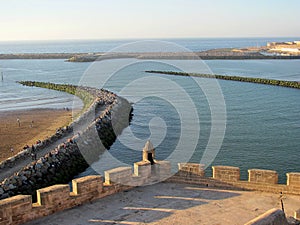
(94, 132)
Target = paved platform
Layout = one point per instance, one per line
(170, 203)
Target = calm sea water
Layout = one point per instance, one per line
(262, 127)
(193, 44)
(14, 96)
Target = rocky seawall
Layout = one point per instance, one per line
(94, 132)
(257, 80)
(26, 152)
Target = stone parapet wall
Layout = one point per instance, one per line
(226, 173)
(263, 176)
(192, 168)
(229, 177)
(20, 209)
(293, 179)
(144, 174)
(120, 175)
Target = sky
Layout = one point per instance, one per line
(122, 19)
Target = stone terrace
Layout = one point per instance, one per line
(221, 199)
(172, 203)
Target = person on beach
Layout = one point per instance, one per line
(12, 150)
(32, 156)
(33, 153)
(25, 147)
(19, 122)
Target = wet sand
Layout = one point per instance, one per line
(35, 124)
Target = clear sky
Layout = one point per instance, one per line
(119, 19)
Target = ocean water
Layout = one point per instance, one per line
(69, 46)
(14, 96)
(262, 126)
(262, 122)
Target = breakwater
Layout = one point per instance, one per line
(86, 94)
(35, 148)
(95, 130)
(282, 83)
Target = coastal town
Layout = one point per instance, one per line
(289, 48)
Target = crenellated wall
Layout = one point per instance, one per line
(20, 209)
(192, 169)
(262, 176)
(143, 174)
(293, 179)
(226, 173)
(229, 177)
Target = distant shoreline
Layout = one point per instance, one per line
(215, 54)
(36, 56)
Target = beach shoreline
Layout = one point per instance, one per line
(24, 127)
(66, 156)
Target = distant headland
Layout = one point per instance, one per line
(273, 50)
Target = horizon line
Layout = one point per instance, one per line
(141, 38)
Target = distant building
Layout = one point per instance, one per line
(284, 51)
(297, 42)
(292, 50)
(272, 44)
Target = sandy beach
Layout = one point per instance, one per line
(18, 128)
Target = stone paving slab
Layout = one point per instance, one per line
(171, 203)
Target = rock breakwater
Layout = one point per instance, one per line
(94, 132)
(257, 80)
